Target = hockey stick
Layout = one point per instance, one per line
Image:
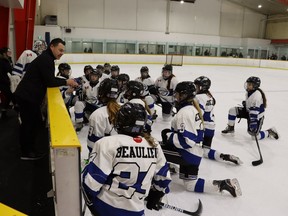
(260, 161)
(195, 213)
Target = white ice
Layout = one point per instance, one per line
(265, 187)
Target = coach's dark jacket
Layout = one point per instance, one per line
(40, 74)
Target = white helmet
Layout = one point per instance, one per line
(39, 46)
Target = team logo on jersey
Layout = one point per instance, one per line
(182, 128)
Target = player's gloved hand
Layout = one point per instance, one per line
(164, 135)
(253, 127)
(244, 104)
(153, 199)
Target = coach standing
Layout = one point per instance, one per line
(30, 95)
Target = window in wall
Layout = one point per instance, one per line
(87, 47)
(151, 49)
(213, 51)
(209, 51)
(97, 47)
(143, 48)
(229, 52)
(264, 54)
(256, 54)
(111, 48)
(199, 51)
(120, 48)
(76, 47)
(283, 52)
(188, 50)
(130, 48)
(68, 47)
(250, 53)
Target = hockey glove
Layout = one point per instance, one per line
(244, 104)
(164, 135)
(153, 199)
(253, 127)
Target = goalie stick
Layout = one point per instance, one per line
(195, 213)
(260, 161)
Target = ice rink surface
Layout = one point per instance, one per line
(265, 187)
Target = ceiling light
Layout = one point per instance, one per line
(259, 6)
(182, 2)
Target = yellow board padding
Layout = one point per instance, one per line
(62, 132)
(8, 211)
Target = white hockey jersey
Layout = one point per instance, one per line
(23, 62)
(146, 83)
(165, 94)
(187, 131)
(206, 104)
(254, 105)
(91, 93)
(99, 126)
(119, 174)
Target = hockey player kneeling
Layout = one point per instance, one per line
(183, 144)
(118, 176)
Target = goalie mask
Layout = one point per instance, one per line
(39, 46)
(131, 119)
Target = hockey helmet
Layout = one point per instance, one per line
(100, 67)
(88, 67)
(64, 70)
(168, 67)
(186, 88)
(39, 46)
(64, 66)
(255, 81)
(203, 82)
(134, 89)
(131, 119)
(108, 89)
(96, 72)
(122, 81)
(123, 77)
(107, 65)
(144, 69)
(115, 68)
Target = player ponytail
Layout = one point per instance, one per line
(112, 108)
(264, 97)
(151, 141)
(196, 105)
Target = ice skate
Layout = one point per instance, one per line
(231, 158)
(228, 130)
(230, 185)
(273, 133)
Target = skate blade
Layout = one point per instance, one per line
(236, 186)
(228, 134)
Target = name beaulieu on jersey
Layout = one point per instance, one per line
(136, 152)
